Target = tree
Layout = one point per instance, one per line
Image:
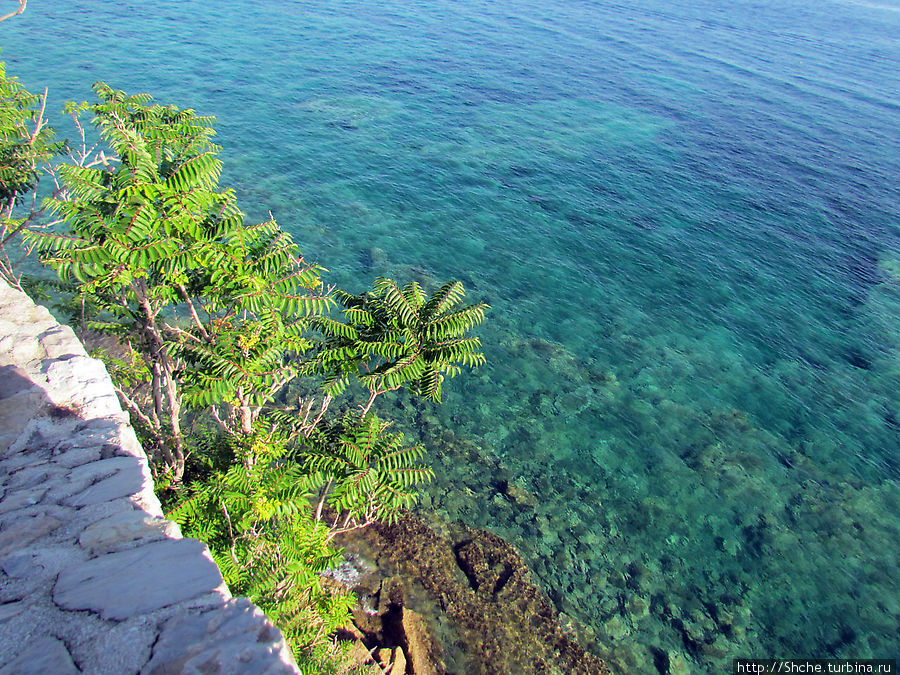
(153, 235)
(220, 317)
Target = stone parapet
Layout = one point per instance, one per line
(93, 579)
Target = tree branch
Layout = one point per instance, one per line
(18, 11)
(373, 393)
(230, 535)
(39, 123)
(187, 299)
(222, 423)
(133, 407)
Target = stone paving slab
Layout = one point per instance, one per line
(121, 585)
(92, 578)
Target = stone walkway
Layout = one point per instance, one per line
(92, 578)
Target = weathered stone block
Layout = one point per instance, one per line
(10, 610)
(124, 584)
(83, 380)
(121, 531)
(45, 655)
(20, 499)
(106, 480)
(26, 531)
(59, 342)
(33, 476)
(233, 640)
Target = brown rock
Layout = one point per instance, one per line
(420, 647)
(391, 594)
(398, 664)
(501, 623)
(369, 624)
(361, 660)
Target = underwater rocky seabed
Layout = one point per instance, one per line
(685, 499)
(684, 216)
(478, 608)
(721, 539)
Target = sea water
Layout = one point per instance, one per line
(685, 216)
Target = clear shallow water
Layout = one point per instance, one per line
(686, 217)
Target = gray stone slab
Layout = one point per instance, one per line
(14, 381)
(33, 476)
(233, 640)
(10, 518)
(24, 460)
(25, 531)
(10, 610)
(30, 572)
(101, 481)
(121, 649)
(15, 347)
(14, 500)
(124, 477)
(74, 457)
(59, 342)
(37, 563)
(36, 437)
(101, 469)
(124, 584)
(44, 656)
(85, 381)
(124, 530)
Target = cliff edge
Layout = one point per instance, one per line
(92, 577)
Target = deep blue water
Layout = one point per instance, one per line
(686, 217)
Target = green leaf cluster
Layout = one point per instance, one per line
(258, 524)
(24, 144)
(371, 473)
(393, 337)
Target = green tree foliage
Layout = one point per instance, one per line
(216, 317)
(150, 234)
(393, 337)
(258, 524)
(367, 474)
(26, 144)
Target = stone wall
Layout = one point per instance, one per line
(92, 578)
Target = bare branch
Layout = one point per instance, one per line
(181, 331)
(133, 407)
(197, 322)
(40, 123)
(335, 531)
(309, 405)
(17, 12)
(322, 500)
(230, 535)
(325, 401)
(221, 422)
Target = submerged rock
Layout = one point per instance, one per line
(678, 665)
(473, 587)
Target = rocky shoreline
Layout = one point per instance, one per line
(445, 599)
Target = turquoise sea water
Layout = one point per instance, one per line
(686, 217)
